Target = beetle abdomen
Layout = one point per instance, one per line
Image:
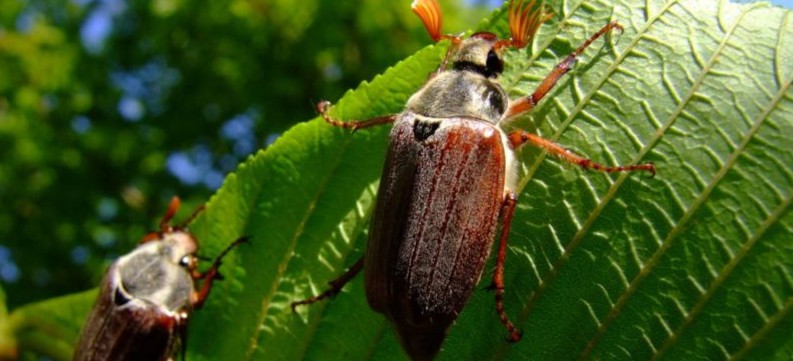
(434, 223)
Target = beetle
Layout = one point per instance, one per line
(449, 181)
(147, 296)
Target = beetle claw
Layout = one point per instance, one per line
(651, 169)
(514, 336)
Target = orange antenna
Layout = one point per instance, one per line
(524, 21)
(165, 225)
(169, 213)
(430, 13)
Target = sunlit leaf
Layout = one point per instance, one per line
(695, 263)
(52, 327)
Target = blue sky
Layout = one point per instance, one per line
(782, 3)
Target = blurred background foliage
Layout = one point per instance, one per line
(110, 107)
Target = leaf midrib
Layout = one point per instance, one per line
(282, 266)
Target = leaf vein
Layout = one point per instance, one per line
(282, 265)
(737, 257)
(562, 260)
(675, 231)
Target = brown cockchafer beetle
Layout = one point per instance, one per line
(147, 295)
(449, 177)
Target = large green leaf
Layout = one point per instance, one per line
(696, 263)
(50, 327)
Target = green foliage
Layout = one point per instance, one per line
(79, 182)
(37, 327)
(8, 347)
(695, 263)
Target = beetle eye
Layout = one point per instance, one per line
(494, 64)
(185, 261)
(120, 297)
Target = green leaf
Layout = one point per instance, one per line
(603, 266)
(696, 263)
(304, 202)
(51, 327)
(8, 347)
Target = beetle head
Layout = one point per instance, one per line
(482, 51)
(181, 246)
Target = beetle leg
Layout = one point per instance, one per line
(182, 332)
(322, 108)
(526, 104)
(520, 137)
(150, 237)
(507, 210)
(212, 274)
(165, 225)
(455, 41)
(195, 214)
(335, 285)
(429, 11)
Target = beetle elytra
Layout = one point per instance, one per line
(449, 181)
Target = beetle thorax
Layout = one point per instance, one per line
(156, 272)
(460, 93)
